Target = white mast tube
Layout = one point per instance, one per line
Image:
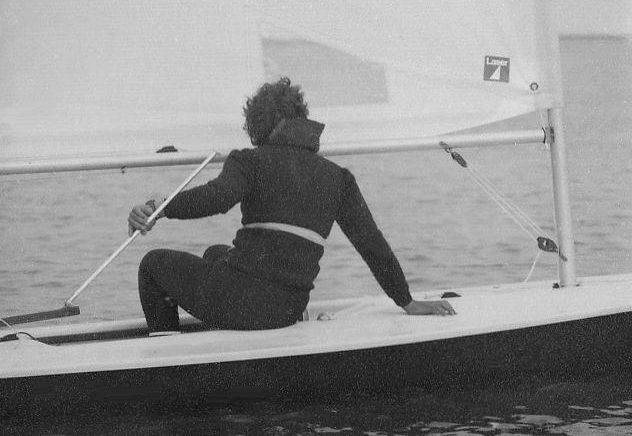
(561, 198)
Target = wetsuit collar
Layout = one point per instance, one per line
(297, 132)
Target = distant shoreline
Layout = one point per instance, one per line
(609, 36)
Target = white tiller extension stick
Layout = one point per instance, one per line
(137, 232)
(69, 309)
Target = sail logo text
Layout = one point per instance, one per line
(496, 69)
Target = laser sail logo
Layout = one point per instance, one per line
(496, 69)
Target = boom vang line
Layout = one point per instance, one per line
(544, 241)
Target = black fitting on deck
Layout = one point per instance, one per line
(167, 149)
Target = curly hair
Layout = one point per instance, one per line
(272, 103)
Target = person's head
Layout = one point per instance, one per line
(272, 103)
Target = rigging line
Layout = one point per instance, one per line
(489, 188)
(535, 261)
(505, 208)
(514, 212)
(515, 208)
(545, 243)
(510, 208)
(519, 213)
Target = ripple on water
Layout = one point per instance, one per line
(51, 284)
(588, 429)
(9, 291)
(418, 258)
(618, 411)
(538, 420)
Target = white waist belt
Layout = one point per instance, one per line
(308, 234)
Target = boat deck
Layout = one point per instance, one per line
(351, 324)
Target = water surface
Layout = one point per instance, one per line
(57, 229)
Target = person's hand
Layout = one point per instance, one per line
(138, 217)
(436, 307)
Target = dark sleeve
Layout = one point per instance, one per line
(356, 222)
(220, 194)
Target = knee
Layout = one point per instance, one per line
(148, 270)
(215, 252)
(151, 259)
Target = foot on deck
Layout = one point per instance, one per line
(165, 333)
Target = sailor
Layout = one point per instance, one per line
(290, 198)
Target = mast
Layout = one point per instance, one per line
(561, 198)
(549, 39)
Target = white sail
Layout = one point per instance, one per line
(126, 77)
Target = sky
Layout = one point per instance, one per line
(587, 17)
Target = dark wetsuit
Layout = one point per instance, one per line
(265, 279)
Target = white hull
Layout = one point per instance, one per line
(364, 323)
(500, 335)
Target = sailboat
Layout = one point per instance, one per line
(385, 78)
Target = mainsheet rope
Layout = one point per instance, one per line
(530, 227)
